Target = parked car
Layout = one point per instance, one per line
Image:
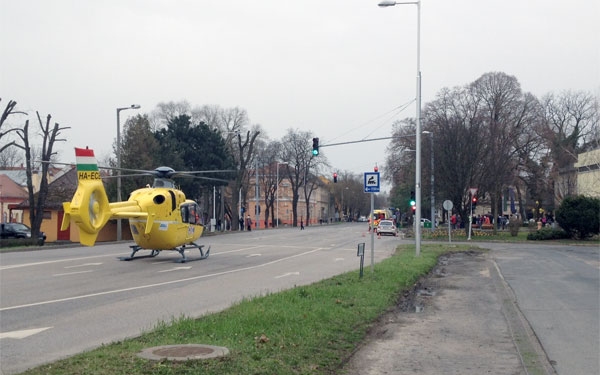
(19, 230)
(423, 221)
(387, 227)
(362, 219)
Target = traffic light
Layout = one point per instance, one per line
(474, 202)
(335, 177)
(376, 169)
(315, 150)
(413, 201)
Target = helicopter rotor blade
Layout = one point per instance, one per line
(211, 171)
(128, 175)
(204, 178)
(159, 172)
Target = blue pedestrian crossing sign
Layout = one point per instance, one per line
(371, 182)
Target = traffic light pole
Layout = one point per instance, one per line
(367, 140)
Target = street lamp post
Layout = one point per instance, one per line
(133, 106)
(343, 208)
(387, 3)
(277, 191)
(432, 183)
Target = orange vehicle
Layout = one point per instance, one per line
(377, 216)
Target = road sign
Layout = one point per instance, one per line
(372, 182)
(448, 205)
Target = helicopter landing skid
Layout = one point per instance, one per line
(181, 251)
(135, 249)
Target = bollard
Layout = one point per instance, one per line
(361, 253)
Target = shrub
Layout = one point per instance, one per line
(20, 242)
(547, 234)
(579, 216)
(513, 225)
(532, 226)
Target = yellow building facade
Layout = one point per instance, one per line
(588, 173)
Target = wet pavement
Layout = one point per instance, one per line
(461, 319)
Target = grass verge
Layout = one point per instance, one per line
(305, 330)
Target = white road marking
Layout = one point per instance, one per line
(253, 255)
(71, 273)
(84, 265)
(22, 334)
(339, 259)
(288, 274)
(176, 269)
(163, 283)
(53, 261)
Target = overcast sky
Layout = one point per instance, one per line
(335, 68)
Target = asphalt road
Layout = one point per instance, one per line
(57, 302)
(558, 290)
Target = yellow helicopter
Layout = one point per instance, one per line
(160, 216)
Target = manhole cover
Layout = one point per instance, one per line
(183, 352)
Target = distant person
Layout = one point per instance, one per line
(249, 223)
(301, 224)
(241, 223)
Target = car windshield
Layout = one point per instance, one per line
(19, 227)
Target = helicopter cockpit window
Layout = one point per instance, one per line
(194, 219)
(185, 214)
(163, 183)
(190, 213)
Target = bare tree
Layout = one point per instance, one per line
(233, 123)
(49, 137)
(269, 159)
(296, 150)
(229, 121)
(454, 120)
(9, 110)
(349, 196)
(508, 117)
(243, 149)
(9, 157)
(570, 122)
(166, 111)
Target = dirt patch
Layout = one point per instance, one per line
(451, 322)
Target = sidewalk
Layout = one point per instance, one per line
(461, 320)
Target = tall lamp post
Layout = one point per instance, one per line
(387, 3)
(432, 183)
(277, 191)
(133, 106)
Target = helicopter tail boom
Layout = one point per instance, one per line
(89, 208)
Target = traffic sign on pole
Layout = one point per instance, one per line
(371, 182)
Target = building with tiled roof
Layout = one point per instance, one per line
(11, 193)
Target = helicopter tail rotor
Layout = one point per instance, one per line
(89, 208)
